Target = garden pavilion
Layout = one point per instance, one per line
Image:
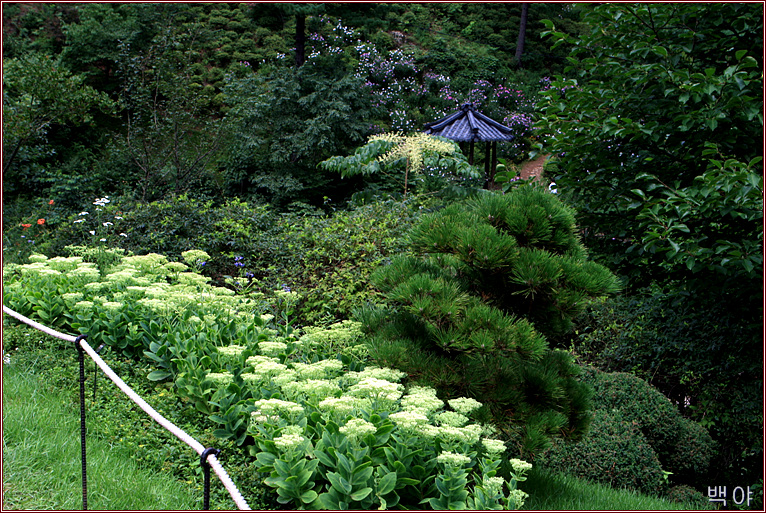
(470, 125)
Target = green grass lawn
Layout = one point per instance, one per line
(555, 491)
(42, 463)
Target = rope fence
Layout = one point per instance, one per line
(207, 455)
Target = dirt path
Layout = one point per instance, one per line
(533, 168)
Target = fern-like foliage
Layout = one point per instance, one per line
(412, 152)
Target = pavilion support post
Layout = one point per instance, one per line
(493, 167)
(487, 158)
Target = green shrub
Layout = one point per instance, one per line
(696, 351)
(614, 453)
(688, 495)
(682, 446)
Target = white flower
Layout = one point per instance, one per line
(108, 224)
(453, 459)
(92, 232)
(464, 405)
(82, 214)
(80, 221)
(288, 441)
(123, 235)
(520, 465)
(358, 428)
(493, 446)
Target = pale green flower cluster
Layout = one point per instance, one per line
(289, 442)
(285, 376)
(220, 379)
(356, 429)
(275, 407)
(377, 389)
(344, 405)
(112, 306)
(195, 257)
(422, 399)
(316, 389)
(175, 267)
(319, 370)
(518, 497)
(64, 264)
(469, 434)
(84, 305)
(340, 334)
(493, 446)
(409, 421)
(72, 297)
(193, 280)
(147, 263)
(520, 466)
(259, 358)
(37, 258)
(493, 485)
(85, 272)
(230, 353)
(270, 348)
(267, 369)
(382, 373)
(464, 405)
(453, 459)
(451, 418)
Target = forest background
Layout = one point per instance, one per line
(206, 124)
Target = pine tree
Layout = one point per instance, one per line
(470, 309)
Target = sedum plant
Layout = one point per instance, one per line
(471, 309)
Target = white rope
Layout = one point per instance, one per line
(178, 432)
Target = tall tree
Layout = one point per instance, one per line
(522, 33)
(657, 134)
(37, 94)
(658, 138)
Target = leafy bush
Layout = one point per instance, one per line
(687, 494)
(326, 258)
(637, 425)
(329, 259)
(688, 350)
(682, 446)
(614, 452)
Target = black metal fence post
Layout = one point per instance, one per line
(206, 471)
(81, 353)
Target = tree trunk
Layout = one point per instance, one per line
(300, 40)
(522, 33)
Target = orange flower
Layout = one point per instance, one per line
(50, 202)
(41, 221)
(25, 226)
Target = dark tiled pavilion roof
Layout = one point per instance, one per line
(469, 125)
